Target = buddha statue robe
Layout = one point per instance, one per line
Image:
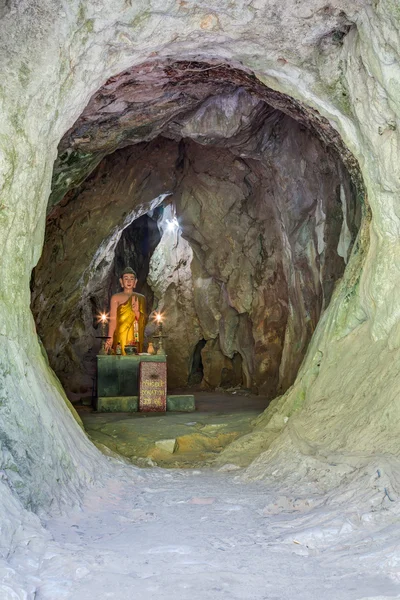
(124, 333)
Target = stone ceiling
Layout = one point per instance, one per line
(156, 98)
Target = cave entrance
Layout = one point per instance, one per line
(238, 207)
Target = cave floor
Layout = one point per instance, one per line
(176, 534)
(206, 534)
(219, 419)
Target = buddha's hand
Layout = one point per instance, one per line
(108, 344)
(135, 306)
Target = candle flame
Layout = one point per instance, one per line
(103, 318)
(158, 317)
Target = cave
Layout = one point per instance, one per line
(266, 215)
(267, 136)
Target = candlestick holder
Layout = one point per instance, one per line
(103, 320)
(160, 336)
(103, 350)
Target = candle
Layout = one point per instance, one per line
(103, 319)
(158, 317)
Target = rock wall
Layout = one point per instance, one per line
(74, 279)
(170, 278)
(263, 237)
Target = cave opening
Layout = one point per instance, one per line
(197, 369)
(237, 207)
(135, 248)
(306, 500)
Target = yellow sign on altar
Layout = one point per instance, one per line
(153, 387)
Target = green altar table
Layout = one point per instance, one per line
(118, 384)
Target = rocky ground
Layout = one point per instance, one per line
(183, 440)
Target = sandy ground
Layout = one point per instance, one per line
(196, 535)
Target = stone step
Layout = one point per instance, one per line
(175, 403)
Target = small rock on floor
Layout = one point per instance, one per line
(170, 445)
(229, 467)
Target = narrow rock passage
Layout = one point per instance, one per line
(203, 534)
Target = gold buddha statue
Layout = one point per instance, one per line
(127, 315)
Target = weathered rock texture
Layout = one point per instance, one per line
(264, 235)
(267, 220)
(154, 98)
(342, 60)
(75, 286)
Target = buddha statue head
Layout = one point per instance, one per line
(128, 280)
